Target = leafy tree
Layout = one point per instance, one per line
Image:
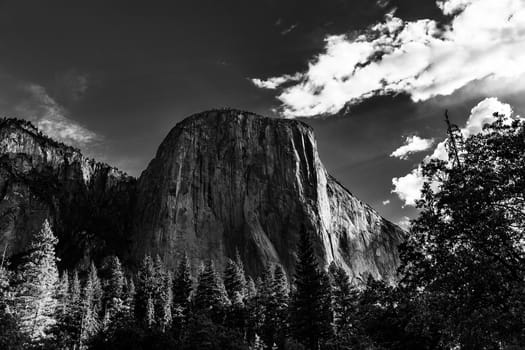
(34, 297)
(465, 253)
(310, 312)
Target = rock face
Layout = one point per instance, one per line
(89, 202)
(222, 181)
(227, 180)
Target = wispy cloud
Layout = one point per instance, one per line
(413, 144)
(485, 41)
(52, 118)
(408, 187)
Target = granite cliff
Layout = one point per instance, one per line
(222, 181)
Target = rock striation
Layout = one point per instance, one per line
(225, 181)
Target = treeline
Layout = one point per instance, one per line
(154, 308)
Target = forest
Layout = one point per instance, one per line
(461, 282)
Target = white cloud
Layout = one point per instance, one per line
(386, 202)
(51, 118)
(413, 144)
(408, 187)
(485, 41)
(274, 83)
(404, 223)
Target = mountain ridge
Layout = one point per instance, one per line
(243, 182)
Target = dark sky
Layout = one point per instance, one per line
(128, 71)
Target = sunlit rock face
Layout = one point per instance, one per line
(226, 180)
(89, 203)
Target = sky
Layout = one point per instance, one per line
(373, 78)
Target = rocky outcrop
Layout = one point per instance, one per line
(88, 202)
(227, 180)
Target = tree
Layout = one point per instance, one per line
(279, 306)
(35, 298)
(310, 311)
(464, 256)
(90, 323)
(98, 292)
(162, 295)
(113, 288)
(210, 296)
(344, 299)
(183, 284)
(145, 287)
(10, 336)
(234, 279)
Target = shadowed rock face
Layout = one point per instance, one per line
(227, 180)
(89, 203)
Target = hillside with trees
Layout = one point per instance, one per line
(461, 284)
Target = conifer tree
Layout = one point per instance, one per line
(35, 298)
(113, 288)
(90, 324)
(10, 336)
(309, 315)
(182, 286)
(210, 296)
(234, 279)
(279, 306)
(344, 298)
(162, 295)
(144, 289)
(97, 288)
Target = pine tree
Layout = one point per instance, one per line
(10, 336)
(162, 295)
(279, 306)
(90, 324)
(234, 279)
(97, 288)
(144, 289)
(113, 288)
(344, 299)
(182, 285)
(210, 296)
(35, 298)
(309, 315)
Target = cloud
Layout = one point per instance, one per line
(386, 202)
(51, 118)
(274, 83)
(485, 41)
(404, 223)
(408, 187)
(413, 144)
